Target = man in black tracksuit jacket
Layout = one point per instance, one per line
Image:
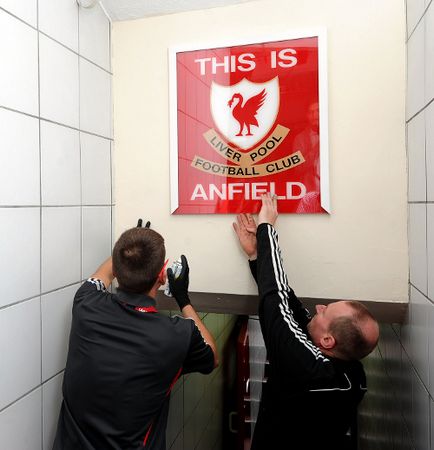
(313, 386)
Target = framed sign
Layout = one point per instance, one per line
(249, 118)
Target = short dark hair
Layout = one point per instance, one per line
(351, 342)
(138, 257)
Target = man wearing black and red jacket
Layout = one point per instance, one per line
(315, 377)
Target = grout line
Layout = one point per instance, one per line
(418, 22)
(39, 386)
(52, 377)
(32, 390)
(27, 299)
(420, 292)
(418, 112)
(420, 202)
(20, 19)
(75, 53)
(55, 123)
(19, 206)
(20, 112)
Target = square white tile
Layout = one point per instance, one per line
(21, 423)
(429, 54)
(59, 83)
(429, 127)
(51, 402)
(416, 71)
(430, 249)
(60, 165)
(20, 350)
(95, 36)
(416, 158)
(18, 75)
(415, 9)
(20, 253)
(95, 170)
(95, 99)
(56, 324)
(419, 333)
(60, 247)
(24, 9)
(59, 20)
(96, 237)
(417, 246)
(19, 159)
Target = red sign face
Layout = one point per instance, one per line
(248, 122)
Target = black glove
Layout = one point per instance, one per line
(179, 286)
(140, 223)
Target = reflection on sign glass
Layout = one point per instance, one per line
(248, 122)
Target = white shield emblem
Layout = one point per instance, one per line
(245, 112)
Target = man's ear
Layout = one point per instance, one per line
(328, 341)
(162, 277)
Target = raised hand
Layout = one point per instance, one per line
(179, 286)
(245, 227)
(268, 212)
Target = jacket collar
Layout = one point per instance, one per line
(132, 298)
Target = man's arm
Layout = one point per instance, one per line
(105, 272)
(289, 348)
(179, 289)
(189, 313)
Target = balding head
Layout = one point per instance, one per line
(345, 330)
(357, 334)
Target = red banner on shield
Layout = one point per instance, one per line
(248, 122)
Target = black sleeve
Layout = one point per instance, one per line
(91, 287)
(253, 265)
(289, 348)
(200, 357)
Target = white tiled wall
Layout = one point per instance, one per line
(55, 198)
(411, 378)
(419, 346)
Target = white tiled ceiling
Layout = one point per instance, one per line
(135, 9)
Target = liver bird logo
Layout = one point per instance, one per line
(245, 112)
